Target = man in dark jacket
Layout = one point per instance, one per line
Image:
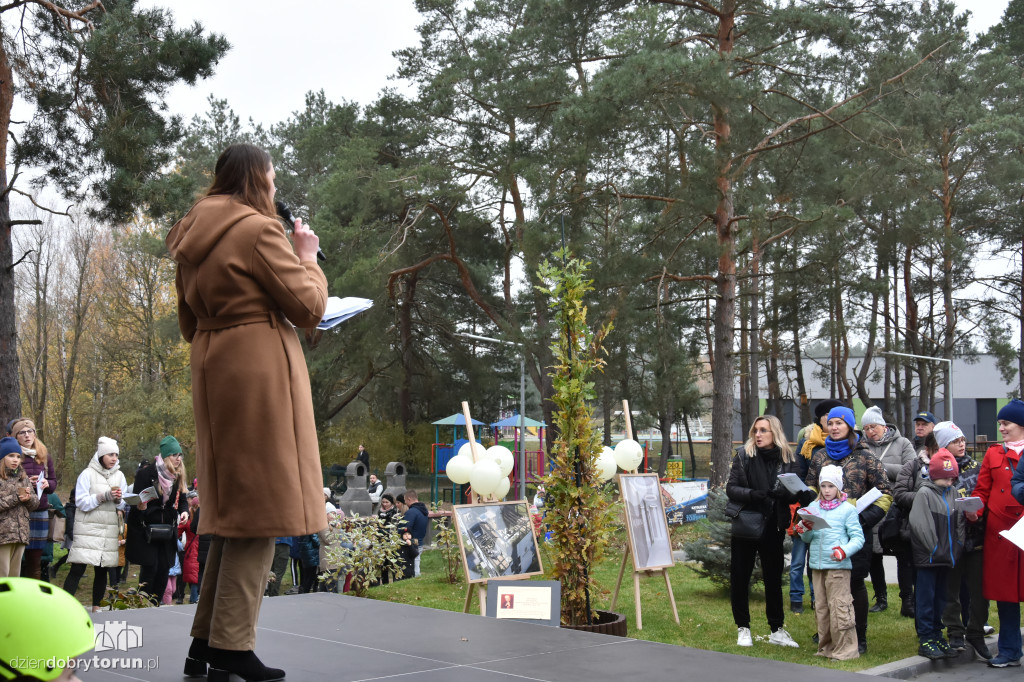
(417, 519)
(924, 423)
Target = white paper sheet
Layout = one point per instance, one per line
(867, 499)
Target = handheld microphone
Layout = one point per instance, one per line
(286, 215)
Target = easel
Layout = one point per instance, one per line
(481, 587)
(626, 554)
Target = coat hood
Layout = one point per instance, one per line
(194, 236)
(95, 465)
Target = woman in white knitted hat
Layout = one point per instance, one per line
(97, 497)
(894, 451)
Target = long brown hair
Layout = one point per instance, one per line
(42, 455)
(241, 172)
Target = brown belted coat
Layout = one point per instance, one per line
(240, 287)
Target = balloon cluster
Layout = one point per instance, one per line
(627, 456)
(488, 475)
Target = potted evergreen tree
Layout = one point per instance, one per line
(577, 505)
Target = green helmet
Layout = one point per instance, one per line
(26, 651)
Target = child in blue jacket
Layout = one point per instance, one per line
(828, 556)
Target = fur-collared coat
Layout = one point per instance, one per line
(240, 289)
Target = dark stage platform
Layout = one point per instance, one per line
(331, 637)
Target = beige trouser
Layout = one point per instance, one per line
(833, 609)
(232, 592)
(10, 559)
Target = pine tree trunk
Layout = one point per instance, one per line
(10, 389)
(723, 372)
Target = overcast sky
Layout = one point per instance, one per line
(281, 52)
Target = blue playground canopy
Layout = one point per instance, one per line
(456, 420)
(514, 421)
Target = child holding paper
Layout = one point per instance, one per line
(828, 556)
(937, 539)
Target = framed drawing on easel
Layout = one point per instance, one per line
(646, 523)
(496, 540)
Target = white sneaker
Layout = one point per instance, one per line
(782, 638)
(744, 638)
(989, 630)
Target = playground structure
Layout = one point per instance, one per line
(443, 490)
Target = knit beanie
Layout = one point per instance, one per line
(9, 445)
(1013, 411)
(943, 465)
(822, 408)
(872, 415)
(844, 413)
(169, 446)
(946, 432)
(833, 474)
(106, 446)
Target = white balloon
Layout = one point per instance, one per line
(504, 457)
(485, 477)
(459, 468)
(464, 450)
(503, 486)
(606, 465)
(628, 454)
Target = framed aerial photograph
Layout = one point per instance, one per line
(497, 541)
(646, 523)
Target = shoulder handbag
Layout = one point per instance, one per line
(890, 531)
(159, 532)
(55, 533)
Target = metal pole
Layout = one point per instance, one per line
(949, 384)
(522, 404)
(522, 426)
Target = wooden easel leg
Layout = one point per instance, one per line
(636, 595)
(469, 598)
(482, 594)
(671, 596)
(618, 583)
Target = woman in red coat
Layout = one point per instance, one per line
(1003, 571)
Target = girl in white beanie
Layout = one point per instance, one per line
(828, 556)
(97, 498)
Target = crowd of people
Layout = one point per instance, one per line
(861, 494)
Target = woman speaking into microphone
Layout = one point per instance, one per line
(240, 288)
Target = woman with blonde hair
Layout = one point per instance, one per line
(152, 526)
(759, 505)
(37, 463)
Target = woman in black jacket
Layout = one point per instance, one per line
(155, 557)
(753, 483)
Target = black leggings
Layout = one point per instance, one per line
(99, 583)
(153, 577)
(861, 567)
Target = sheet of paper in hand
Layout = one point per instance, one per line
(145, 496)
(813, 520)
(340, 309)
(867, 499)
(793, 483)
(968, 504)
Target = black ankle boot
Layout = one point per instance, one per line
(880, 605)
(195, 664)
(245, 664)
